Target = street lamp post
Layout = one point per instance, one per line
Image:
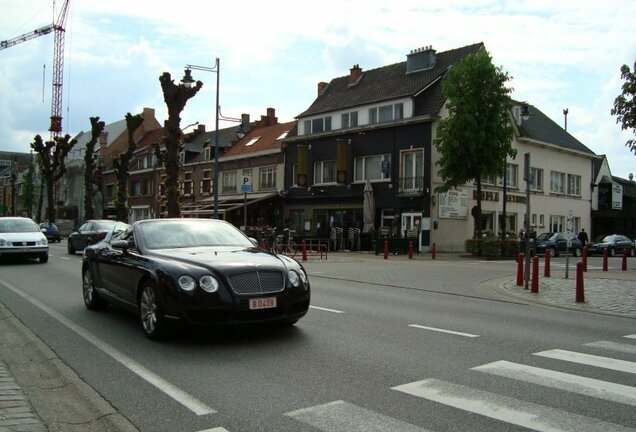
(187, 80)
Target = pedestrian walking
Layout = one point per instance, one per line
(583, 237)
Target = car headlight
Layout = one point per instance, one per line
(294, 279)
(303, 276)
(186, 283)
(209, 283)
(3, 242)
(44, 242)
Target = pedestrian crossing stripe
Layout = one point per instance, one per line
(562, 381)
(504, 408)
(341, 416)
(590, 360)
(631, 336)
(613, 346)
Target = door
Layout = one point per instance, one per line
(411, 224)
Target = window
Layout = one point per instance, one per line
(557, 223)
(318, 125)
(110, 190)
(512, 176)
(325, 172)
(229, 181)
(371, 167)
(533, 219)
(135, 188)
(267, 178)
(252, 141)
(541, 220)
(187, 184)
(206, 153)
(386, 113)
(536, 179)
(574, 184)
(557, 182)
(146, 187)
(181, 157)
(487, 221)
(412, 169)
(350, 119)
(206, 182)
(511, 222)
(488, 180)
(373, 115)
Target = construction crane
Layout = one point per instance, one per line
(58, 62)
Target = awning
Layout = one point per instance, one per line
(226, 203)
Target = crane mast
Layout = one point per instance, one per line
(58, 62)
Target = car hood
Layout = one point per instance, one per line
(23, 236)
(227, 258)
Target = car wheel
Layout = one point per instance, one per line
(577, 252)
(553, 252)
(612, 252)
(44, 258)
(70, 248)
(151, 314)
(92, 299)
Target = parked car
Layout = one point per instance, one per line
(90, 232)
(51, 231)
(614, 243)
(556, 243)
(21, 237)
(194, 271)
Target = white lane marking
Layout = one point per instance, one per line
(613, 346)
(339, 416)
(630, 336)
(327, 310)
(507, 409)
(62, 257)
(443, 330)
(180, 396)
(216, 429)
(562, 381)
(590, 360)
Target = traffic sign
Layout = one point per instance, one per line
(247, 184)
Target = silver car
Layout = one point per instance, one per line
(21, 237)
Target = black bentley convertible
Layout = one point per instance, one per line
(196, 271)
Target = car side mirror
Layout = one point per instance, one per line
(120, 244)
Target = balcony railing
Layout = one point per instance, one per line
(411, 186)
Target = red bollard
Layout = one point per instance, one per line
(546, 269)
(433, 251)
(386, 249)
(584, 257)
(520, 257)
(534, 287)
(605, 253)
(263, 244)
(580, 294)
(624, 265)
(410, 250)
(304, 247)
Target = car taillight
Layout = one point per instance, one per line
(101, 235)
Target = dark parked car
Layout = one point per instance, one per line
(21, 237)
(557, 243)
(51, 231)
(614, 243)
(195, 271)
(90, 232)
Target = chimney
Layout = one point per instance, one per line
(322, 86)
(200, 128)
(355, 75)
(420, 59)
(103, 146)
(271, 117)
(148, 115)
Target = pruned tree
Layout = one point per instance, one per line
(476, 137)
(51, 156)
(176, 97)
(91, 168)
(121, 166)
(28, 192)
(625, 104)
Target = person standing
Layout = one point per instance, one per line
(583, 237)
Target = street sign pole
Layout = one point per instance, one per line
(245, 188)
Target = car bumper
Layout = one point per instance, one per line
(29, 252)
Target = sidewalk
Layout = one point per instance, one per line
(39, 393)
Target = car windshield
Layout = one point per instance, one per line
(48, 226)
(604, 239)
(544, 236)
(169, 234)
(18, 225)
(105, 224)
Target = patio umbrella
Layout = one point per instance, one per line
(368, 209)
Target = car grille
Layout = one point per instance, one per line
(23, 243)
(257, 282)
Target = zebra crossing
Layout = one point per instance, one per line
(341, 416)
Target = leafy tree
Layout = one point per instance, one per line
(176, 97)
(51, 156)
(121, 164)
(476, 138)
(90, 168)
(28, 192)
(625, 104)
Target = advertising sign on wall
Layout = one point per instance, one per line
(617, 196)
(453, 204)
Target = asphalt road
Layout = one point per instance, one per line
(414, 347)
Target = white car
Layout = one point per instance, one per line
(21, 237)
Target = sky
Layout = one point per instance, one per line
(560, 54)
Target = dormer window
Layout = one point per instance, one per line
(350, 119)
(386, 113)
(317, 125)
(206, 153)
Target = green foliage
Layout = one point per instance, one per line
(625, 104)
(492, 247)
(476, 138)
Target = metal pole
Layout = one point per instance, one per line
(216, 142)
(527, 222)
(245, 212)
